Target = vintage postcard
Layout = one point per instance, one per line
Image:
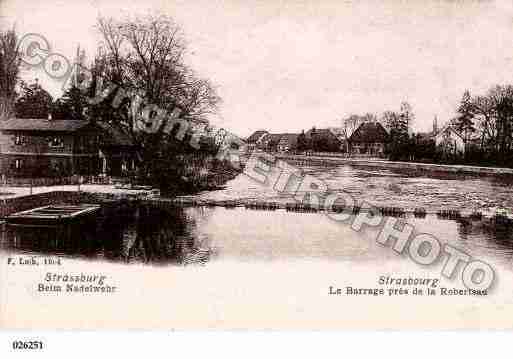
(304, 165)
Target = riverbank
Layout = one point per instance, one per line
(192, 174)
(9, 192)
(414, 167)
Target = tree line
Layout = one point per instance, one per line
(484, 122)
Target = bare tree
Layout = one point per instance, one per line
(494, 114)
(351, 123)
(9, 71)
(146, 56)
(390, 120)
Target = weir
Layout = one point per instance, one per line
(72, 205)
(300, 207)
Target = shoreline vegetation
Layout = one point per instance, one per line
(203, 174)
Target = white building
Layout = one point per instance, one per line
(450, 140)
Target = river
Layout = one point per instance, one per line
(223, 266)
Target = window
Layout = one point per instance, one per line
(18, 163)
(19, 140)
(56, 142)
(55, 165)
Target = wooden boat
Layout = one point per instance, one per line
(51, 215)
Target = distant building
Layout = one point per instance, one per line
(324, 140)
(270, 142)
(287, 142)
(50, 148)
(256, 139)
(369, 138)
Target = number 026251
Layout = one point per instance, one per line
(27, 345)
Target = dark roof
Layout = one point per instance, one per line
(291, 138)
(115, 135)
(256, 136)
(319, 131)
(369, 132)
(26, 124)
(337, 131)
(449, 127)
(322, 133)
(274, 137)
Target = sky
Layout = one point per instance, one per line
(289, 65)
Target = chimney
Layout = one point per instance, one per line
(435, 125)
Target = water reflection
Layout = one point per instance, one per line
(146, 234)
(162, 236)
(124, 232)
(486, 237)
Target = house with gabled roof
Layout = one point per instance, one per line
(370, 138)
(287, 142)
(256, 139)
(270, 142)
(273, 142)
(324, 140)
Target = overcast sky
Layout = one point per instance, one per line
(290, 65)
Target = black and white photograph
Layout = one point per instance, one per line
(256, 165)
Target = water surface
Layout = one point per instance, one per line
(200, 235)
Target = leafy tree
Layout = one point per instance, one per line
(423, 147)
(394, 126)
(401, 146)
(407, 117)
(34, 101)
(72, 105)
(313, 142)
(9, 71)
(302, 142)
(464, 123)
